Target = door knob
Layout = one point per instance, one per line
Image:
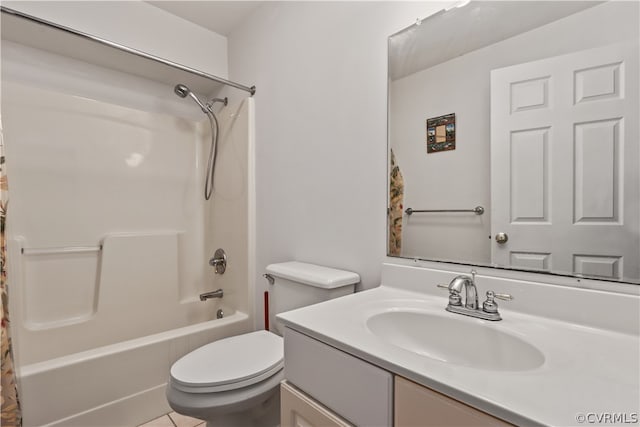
(502, 238)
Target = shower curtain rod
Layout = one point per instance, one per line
(138, 53)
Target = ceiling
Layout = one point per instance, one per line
(218, 16)
(478, 24)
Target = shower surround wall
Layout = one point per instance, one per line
(114, 165)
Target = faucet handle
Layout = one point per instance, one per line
(503, 297)
(454, 296)
(490, 305)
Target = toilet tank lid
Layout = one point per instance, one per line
(314, 275)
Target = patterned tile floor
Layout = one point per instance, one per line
(174, 420)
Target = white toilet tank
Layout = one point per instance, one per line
(298, 284)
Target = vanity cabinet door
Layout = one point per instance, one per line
(357, 390)
(299, 410)
(416, 405)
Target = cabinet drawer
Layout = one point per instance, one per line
(298, 409)
(416, 405)
(358, 391)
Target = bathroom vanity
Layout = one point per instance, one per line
(361, 392)
(393, 356)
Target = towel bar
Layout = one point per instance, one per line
(478, 210)
(61, 250)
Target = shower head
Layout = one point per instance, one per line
(182, 91)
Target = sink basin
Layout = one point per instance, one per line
(461, 341)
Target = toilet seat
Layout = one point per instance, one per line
(229, 364)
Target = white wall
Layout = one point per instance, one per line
(321, 74)
(457, 179)
(138, 25)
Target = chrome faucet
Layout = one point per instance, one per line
(489, 310)
(218, 293)
(469, 285)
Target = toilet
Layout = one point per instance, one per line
(236, 381)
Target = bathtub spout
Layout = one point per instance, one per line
(213, 294)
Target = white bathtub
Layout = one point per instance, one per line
(116, 385)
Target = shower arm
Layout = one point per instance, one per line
(183, 91)
(209, 105)
(225, 101)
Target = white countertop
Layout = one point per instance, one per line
(588, 371)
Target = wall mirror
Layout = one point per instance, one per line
(513, 138)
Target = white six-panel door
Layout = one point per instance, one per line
(564, 163)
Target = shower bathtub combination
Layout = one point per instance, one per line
(109, 235)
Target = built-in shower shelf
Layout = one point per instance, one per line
(28, 30)
(61, 286)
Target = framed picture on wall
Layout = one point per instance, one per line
(441, 133)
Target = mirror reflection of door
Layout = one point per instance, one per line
(564, 155)
(567, 183)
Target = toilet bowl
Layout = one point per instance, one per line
(231, 382)
(236, 381)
